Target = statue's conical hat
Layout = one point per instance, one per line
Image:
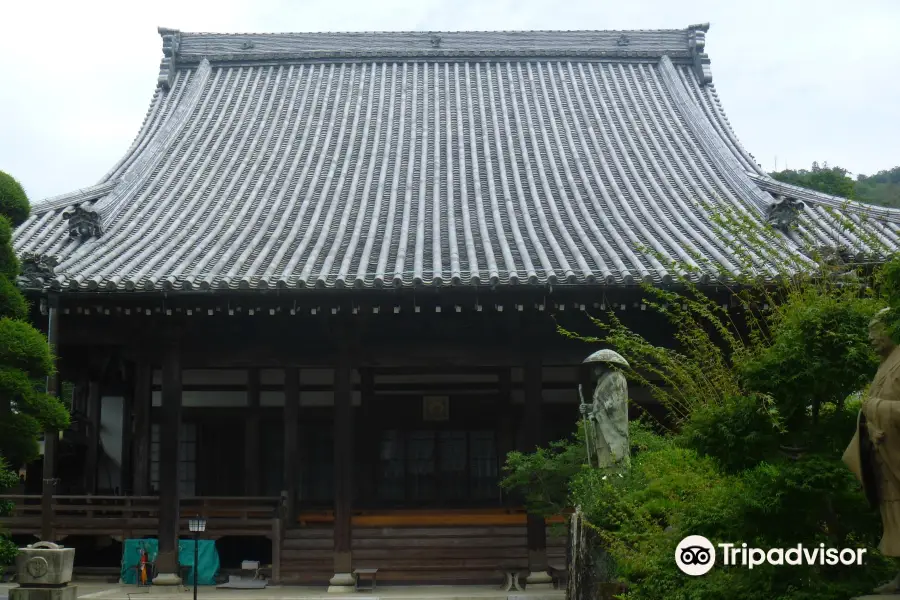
(607, 356)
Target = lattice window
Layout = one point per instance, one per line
(424, 466)
(393, 467)
(483, 467)
(187, 460)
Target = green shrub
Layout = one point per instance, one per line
(673, 491)
(8, 550)
(542, 477)
(816, 352)
(9, 263)
(13, 201)
(740, 433)
(12, 303)
(24, 347)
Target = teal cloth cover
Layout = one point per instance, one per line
(207, 560)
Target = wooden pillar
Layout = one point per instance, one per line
(51, 438)
(251, 436)
(291, 440)
(169, 441)
(93, 447)
(125, 477)
(343, 475)
(536, 528)
(369, 436)
(143, 400)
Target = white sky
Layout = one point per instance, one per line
(800, 80)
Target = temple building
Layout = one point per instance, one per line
(316, 300)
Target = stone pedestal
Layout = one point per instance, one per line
(66, 592)
(44, 571)
(539, 580)
(166, 583)
(342, 583)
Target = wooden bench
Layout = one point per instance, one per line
(371, 573)
(560, 575)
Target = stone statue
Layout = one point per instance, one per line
(874, 452)
(606, 417)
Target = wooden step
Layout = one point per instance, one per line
(415, 554)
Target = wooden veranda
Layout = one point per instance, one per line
(441, 546)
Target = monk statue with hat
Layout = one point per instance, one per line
(606, 416)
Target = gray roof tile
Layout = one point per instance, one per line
(367, 160)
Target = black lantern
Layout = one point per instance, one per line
(197, 525)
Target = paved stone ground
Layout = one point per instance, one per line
(107, 591)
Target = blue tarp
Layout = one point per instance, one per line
(207, 560)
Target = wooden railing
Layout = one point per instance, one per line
(136, 516)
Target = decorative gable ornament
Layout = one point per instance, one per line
(784, 212)
(171, 39)
(623, 40)
(37, 271)
(83, 223)
(697, 43)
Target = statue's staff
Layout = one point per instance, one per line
(587, 433)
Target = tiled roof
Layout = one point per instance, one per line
(400, 159)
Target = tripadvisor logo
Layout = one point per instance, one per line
(696, 555)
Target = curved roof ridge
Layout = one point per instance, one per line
(711, 140)
(85, 194)
(158, 145)
(407, 31)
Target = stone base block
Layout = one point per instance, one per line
(342, 583)
(69, 592)
(539, 580)
(166, 583)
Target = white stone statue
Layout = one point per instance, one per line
(606, 417)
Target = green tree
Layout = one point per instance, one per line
(26, 359)
(883, 188)
(828, 180)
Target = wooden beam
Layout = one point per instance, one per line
(208, 347)
(143, 400)
(252, 461)
(343, 464)
(51, 438)
(93, 449)
(169, 442)
(290, 478)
